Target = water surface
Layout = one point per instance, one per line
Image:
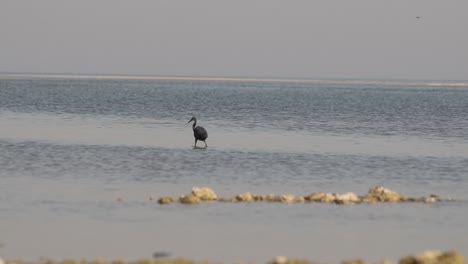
(70, 148)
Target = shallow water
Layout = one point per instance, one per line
(69, 148)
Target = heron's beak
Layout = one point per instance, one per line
(190, 121)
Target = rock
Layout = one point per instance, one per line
(328, 198)
(284, 260)
(2, 261)
(391, 199)
(314, 197)
(204, 193)
(347, 198)
(343, 202)
(189, 199)
(259, 198)
(99, 262)
(404, 199)
(71, 261)
(227, 200)
(320, 197)
(384, 195)
(144, 261)
(287, 198)
(14, 262)
(436, 197)
(280, 260)
(166, 200)
(267, 198)
(434, 257)
(119, 262)
(354, 261)
(369, 199)
(415, 199)
(385, 262)
(299, 199)
(273, 198)
(451, 258)
(430, 200)
(245, 197)
(181, 261)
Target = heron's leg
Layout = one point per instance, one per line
(205, 144)
(196, 142)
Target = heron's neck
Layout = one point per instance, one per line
(194, 124)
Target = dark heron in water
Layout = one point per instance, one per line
(198, 132)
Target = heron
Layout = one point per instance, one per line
(198, 132)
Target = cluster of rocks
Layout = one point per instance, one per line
(428, 257)
(145, 261)
(375, 195)
(433, 257)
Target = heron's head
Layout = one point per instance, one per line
(192, 119)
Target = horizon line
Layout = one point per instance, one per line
(12, 75)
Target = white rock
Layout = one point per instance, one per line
(348, 197)
(280, 260)
(204, 193)
(430, 200)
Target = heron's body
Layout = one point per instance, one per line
(199, 132)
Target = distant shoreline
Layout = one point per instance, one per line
(4, 76)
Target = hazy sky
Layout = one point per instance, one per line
(251, 38)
